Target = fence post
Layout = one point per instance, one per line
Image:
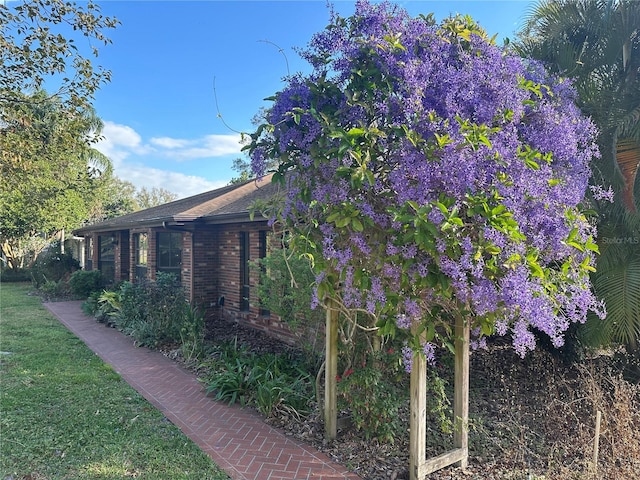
(418, 418)
(331, 371)
(461, 389)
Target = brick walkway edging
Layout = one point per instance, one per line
(237, 440)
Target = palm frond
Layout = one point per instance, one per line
(619, 286)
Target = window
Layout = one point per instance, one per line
(244, 272)
(142, 250)
(169, 253)
(263, 249)
(106, 258)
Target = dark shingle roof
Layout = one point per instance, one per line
(219, 204)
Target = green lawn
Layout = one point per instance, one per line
(64, 414)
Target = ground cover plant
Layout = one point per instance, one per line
(66, 414)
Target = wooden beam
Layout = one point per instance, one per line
(331, 372)
(441, 461)
(418, 418)
(461, 390)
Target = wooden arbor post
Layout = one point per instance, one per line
(331, 371)
(419, 466)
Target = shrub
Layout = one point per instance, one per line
(51, 289)
(14, 275)
(373, 402)
(286, 289)
(90, 305)
(153, 313)
(53, 266)
(270, 382)
(109, 306)
(83, 282)
(192, 333)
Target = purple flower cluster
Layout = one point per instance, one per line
(426, 170)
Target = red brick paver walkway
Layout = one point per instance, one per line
(236, 439)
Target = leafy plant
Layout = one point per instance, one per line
(270, 382)
(192, 333)
(373, 402)
(286, 288)
(109, 307)
(90, 305)
(54, 289)
(53, 266)
(153, 313)
(85, 282)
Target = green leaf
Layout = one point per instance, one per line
(343, 222)
(356, 132)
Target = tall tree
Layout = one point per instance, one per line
(36, 46)
(51, 174)
(147, 198)
(596, 43)
(115, 197)
(48, 165)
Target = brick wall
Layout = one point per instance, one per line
(123, 256)
(205, 267)
(210, 271)
(229, 286)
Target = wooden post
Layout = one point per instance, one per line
(418, 418)
(330, 372)
(596, 442)
(461, 390)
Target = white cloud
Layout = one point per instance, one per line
(120, 141)
(167, 142)
(204, 147)
(131, 155)
(178, 183)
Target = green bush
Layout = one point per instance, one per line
(53, 266)
(192, 332)
(90, 305)
(84, 282)
(286, 289)
(109, 307)
(52, 289)
(11, 275)
(373, 402)
(154, 313)
(270, 382)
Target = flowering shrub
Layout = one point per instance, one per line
(432, 175)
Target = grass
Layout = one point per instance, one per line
(64, 414)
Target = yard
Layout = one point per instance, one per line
(67, 415)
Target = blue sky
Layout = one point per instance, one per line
(162, 128)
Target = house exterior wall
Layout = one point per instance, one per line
(122, 256)
(205, 268)
(210, 271)
(229, 284)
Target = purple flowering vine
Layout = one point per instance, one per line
(431, 175)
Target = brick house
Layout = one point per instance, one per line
(207, 240)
